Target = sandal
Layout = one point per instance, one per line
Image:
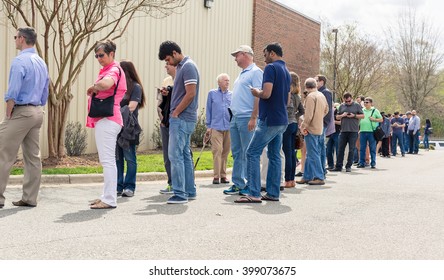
(248, 199)
(269, 198)
(95, 201)
(102, 205)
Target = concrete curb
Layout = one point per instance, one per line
(98, 178)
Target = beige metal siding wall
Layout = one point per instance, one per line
(206, 35)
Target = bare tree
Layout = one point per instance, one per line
(416, 61)
(70, 28)
(360, 62)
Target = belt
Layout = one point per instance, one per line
(19, 105)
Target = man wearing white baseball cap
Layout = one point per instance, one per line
(244, 109)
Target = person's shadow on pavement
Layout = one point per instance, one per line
(83, 216)
(266, 207)
(12, 211)
(165, 209)
(157, 205)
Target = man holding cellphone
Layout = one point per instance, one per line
(349, 114)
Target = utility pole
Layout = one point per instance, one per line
(335, 30)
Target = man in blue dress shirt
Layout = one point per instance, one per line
(27, 92)
(218, 126)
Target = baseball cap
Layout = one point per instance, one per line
(408, 113)
(243, 48)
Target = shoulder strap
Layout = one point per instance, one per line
(118, 81)
(371, 123)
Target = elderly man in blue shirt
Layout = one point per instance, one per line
(27, 92)
(218, 126)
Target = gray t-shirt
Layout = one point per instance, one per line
(350, 124)
(186, 73)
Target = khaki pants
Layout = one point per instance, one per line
(22, 129)
(220, 147)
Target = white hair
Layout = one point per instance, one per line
(220, 76)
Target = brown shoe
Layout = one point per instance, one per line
(22, 203)
(95, 201)
(316, 182)
(215, 181)
(302, 181)
(290, 184)
(102, 205)
(224, 180)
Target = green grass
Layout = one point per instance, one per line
(145, 163)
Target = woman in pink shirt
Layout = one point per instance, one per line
(107, 128)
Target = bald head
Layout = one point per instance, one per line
(310, 84)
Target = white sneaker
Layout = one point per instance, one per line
(128, 193)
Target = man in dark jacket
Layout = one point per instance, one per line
(322, 87)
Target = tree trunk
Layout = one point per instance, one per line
(58, 106)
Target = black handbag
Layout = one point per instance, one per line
(101, 108)
(378, 133)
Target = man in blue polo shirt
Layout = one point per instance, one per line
(273, 121)
(183, 118)
(244, 107)
(398, 125)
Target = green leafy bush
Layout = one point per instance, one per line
(198, 134)
(75, 139)
(156, 137)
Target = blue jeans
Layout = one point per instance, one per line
(406, 142)
(398, 139)
(179, 153)
(240, 137)
(364, 138)
(129, 182)
(288, 140)
(426, 141)
(332, 148)
(345, 138)
(270, 136)
(313, 166)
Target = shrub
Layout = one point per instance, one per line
(75, 139)
(156, 137)
(199, 132)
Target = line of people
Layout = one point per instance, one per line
(258, 121)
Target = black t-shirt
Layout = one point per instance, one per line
(134, 95)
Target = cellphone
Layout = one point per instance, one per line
(250, 86)
(348, 114)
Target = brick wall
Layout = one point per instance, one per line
(298, 35)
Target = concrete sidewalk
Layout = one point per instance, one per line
(393, 212)
(98, 178)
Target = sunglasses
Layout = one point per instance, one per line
(366, 102)
(15, 37)
(100, 55)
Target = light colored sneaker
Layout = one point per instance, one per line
(127, 193)
(167, 190)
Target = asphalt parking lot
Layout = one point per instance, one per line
(393, 212)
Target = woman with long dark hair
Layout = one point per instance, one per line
(289, 136)
(134, 99)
